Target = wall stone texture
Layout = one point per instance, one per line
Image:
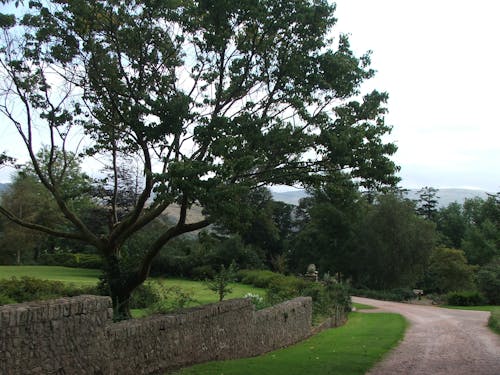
(77, 336)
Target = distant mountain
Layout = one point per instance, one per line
(3, 187)
(290, 197)
(445, 196)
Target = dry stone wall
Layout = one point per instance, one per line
(77, 336)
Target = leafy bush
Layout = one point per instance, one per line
(78, 260)
(282, 288)
(6, 300)
(494, 320)
(202, 272)
(172, 298)
(257, 301)
(257, 278)
(488, 280)
(145, 295)
(398, 295)
(27, 289)
(465, 298)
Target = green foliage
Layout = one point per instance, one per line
(398, 294)
(481, 241)
(6, 300)
(257, 300)
(26, 289)
(494, 320)
(146, 295)
(172, 298)
(221, 280)
(283, 288)
(451, 224)
(465, 298)
(77, 260)
(258, 278)
(427, 203)
(448, 271)
(488, 281)
(392, 245)
(326, 296)
(203, 273)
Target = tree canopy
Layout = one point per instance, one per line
(211, 99)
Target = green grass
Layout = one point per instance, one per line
(494, 320)
(351, 349)
(477, 308)
(361, 306)
(203, 295)
(77, 276)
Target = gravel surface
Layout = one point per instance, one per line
(440, 341)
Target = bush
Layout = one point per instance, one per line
(465, 298)
(6, 300)
(172, 298)
(202, 273)
(494, 320)
(257, 278)
(145, 295)
(257, 301)
(397, 295)
(77, 260)
(30, 289)
(282, 288)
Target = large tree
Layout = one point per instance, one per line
(212, 98)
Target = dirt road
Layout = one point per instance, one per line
(440, 341)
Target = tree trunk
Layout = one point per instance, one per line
(119, 288)
(121, 305)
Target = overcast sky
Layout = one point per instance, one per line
(440, 63)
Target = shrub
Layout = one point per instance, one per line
(78, 260)
(6, 300)
(257, 301)
(397, 295)
(27, 289)
(145, 295)
(494, 320)
(465, 298)
(282, 288)
(202, 272)
(257, 278)
(172, 298)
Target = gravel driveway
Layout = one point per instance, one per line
(440, 341)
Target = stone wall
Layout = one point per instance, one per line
(76, 336)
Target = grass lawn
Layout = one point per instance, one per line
(361, 306)
(477, 308)
(81, 276)
(351, 349)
